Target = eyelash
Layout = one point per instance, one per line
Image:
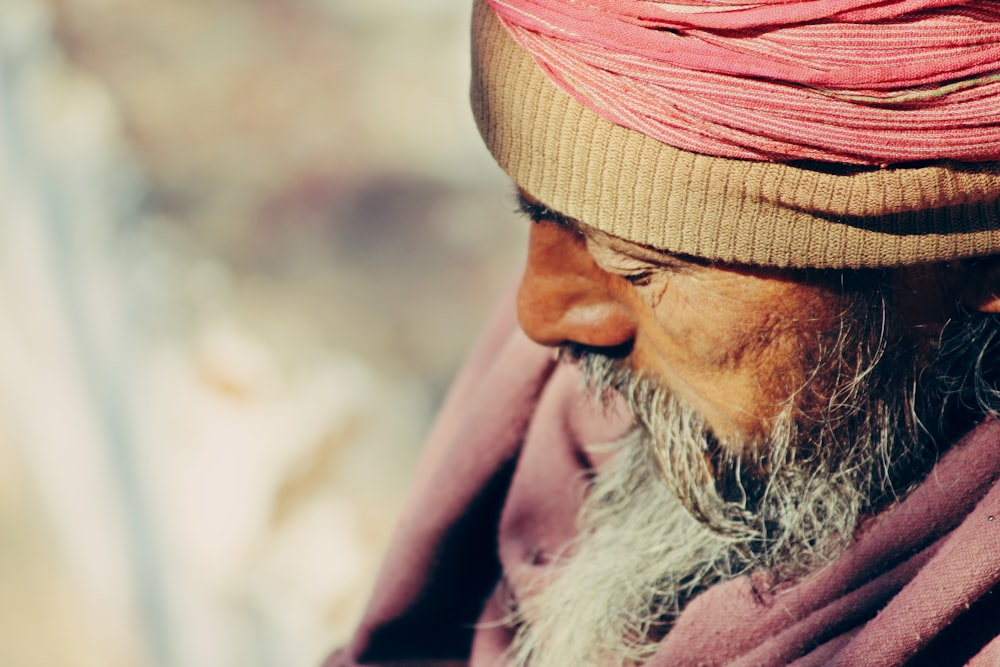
(539, 214)
(533, 212)
(640, 279)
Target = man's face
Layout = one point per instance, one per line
(734, 343)
(780, 406)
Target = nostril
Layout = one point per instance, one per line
(577, 352)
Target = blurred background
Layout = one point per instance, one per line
(244, 245)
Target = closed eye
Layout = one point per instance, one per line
(639, 279)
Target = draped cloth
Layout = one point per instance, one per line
(500, 485)
(873, 82)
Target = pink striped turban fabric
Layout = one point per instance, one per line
(874, 82)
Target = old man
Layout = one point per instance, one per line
(749, 413)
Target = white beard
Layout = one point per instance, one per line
(646, 547)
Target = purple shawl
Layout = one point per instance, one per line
(504, 474)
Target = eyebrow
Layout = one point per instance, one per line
(539, 212)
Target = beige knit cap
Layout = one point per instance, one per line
(637, 188)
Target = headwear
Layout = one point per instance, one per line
(862, 81)
(643, 162)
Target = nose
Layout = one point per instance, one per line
(565, 297)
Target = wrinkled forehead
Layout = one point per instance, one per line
(631, 186)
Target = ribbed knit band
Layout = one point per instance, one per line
(764, 213)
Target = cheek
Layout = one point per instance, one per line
(716, 325)
(741, 334)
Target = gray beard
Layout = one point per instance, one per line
(679, 511)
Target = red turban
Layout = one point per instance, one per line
(855, 81)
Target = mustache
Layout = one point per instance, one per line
(607, 374)
(728, 480)
(603, 370)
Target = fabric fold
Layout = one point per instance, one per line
(873, 83)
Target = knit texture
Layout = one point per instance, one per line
(635, 187)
